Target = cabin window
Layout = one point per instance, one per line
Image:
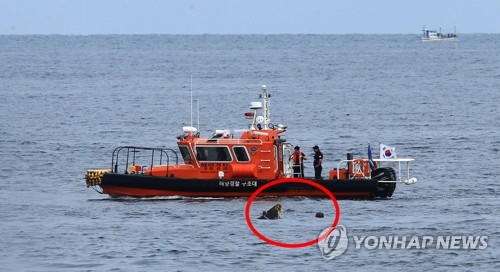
(241, 153)
(185, 154)
(213, 153)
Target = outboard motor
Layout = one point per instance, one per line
(385, 189)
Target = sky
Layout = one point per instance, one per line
(87, 17)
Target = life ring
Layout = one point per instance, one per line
(360, 169)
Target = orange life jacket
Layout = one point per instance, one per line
(297, 157)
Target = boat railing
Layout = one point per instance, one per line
(403, 164)
(136, 159)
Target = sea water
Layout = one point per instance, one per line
(67, 101)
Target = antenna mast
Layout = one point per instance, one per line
(267, 107)
(198, 112)
(191, 91)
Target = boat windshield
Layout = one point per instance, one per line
(213, 153)
(185, 154)
(241, 153)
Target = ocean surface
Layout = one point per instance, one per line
(67, 101)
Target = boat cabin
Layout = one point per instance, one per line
(259, 153)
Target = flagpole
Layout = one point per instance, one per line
(370, 159)
(379, 149)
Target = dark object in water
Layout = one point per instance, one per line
(320, 215)
(275, 212)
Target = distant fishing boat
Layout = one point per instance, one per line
(435, 35)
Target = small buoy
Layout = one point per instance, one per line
(320, 215)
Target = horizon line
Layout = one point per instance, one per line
(220, 34)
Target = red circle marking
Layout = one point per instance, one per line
(296, 180)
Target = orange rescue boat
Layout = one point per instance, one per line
(225, 166)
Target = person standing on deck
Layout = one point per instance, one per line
(298, 162)
(318, 160)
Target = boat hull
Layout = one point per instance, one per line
(117, 185)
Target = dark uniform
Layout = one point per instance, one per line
(318, 160)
